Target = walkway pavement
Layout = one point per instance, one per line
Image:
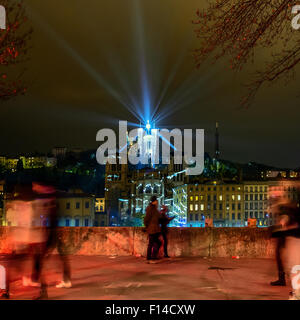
(130, 278)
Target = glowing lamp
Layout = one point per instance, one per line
(148, 125)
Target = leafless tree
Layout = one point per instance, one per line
(14, 44)
(239, 28)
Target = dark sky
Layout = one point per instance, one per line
(94, 61)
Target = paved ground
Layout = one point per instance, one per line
(129, 278)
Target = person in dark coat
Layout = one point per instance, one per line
(152, 224)
(288, 226)
(165, 220)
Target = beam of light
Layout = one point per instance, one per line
(148, 125)
(171, 77)
(119, 73)
(188, 93)
(168, 142)
(83, 63)
(66, 111)
(142, 57)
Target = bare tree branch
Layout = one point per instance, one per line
(236, 28)
(13, 49)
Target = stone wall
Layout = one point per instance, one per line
(206, 242)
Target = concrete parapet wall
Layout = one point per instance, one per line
(123, 241)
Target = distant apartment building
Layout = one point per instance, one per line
(229, 204)
(256, 202)
(213, 200)
(28, 162)
(280, 174)
(11, 164)
(37, 162)
(76, 209)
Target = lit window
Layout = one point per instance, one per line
(191, 207)
(232, 197)
(201, 207)
(196, 207)
(191, 198)
(196, 198)
(221, 197)
(239, 197)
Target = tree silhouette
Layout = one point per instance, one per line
(237, 28)
(14, 42)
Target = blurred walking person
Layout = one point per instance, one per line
(277, 200)
(26, 239)
(47, 195)
(152, 224)
(290, 232)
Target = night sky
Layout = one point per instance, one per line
(96, 62)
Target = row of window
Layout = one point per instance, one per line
(214, 207)
(255, 205)
(149, 190)
(77, 205)
(252, 215)
(256, 197)
(197, 188)
(214, 197)
(77, 222)
(233, 197)
(247, 188)
(256, 188)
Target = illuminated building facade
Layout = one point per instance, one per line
(256, 202)
(37, 162)
(76, 209)
(128, 191)
(143, 189)
(30, 162)
(271, 174)
(229, 204)
(222, 202)
(101, 218)
(11, 164)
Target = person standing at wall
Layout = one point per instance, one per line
(152, 224)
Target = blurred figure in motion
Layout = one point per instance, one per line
(48, 208)
(152, 224)
(45, 213)
(165, 220)
(276, 200)
(32, 214)
(287, 232)
(25, 239)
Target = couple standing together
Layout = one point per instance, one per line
(156, 225)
